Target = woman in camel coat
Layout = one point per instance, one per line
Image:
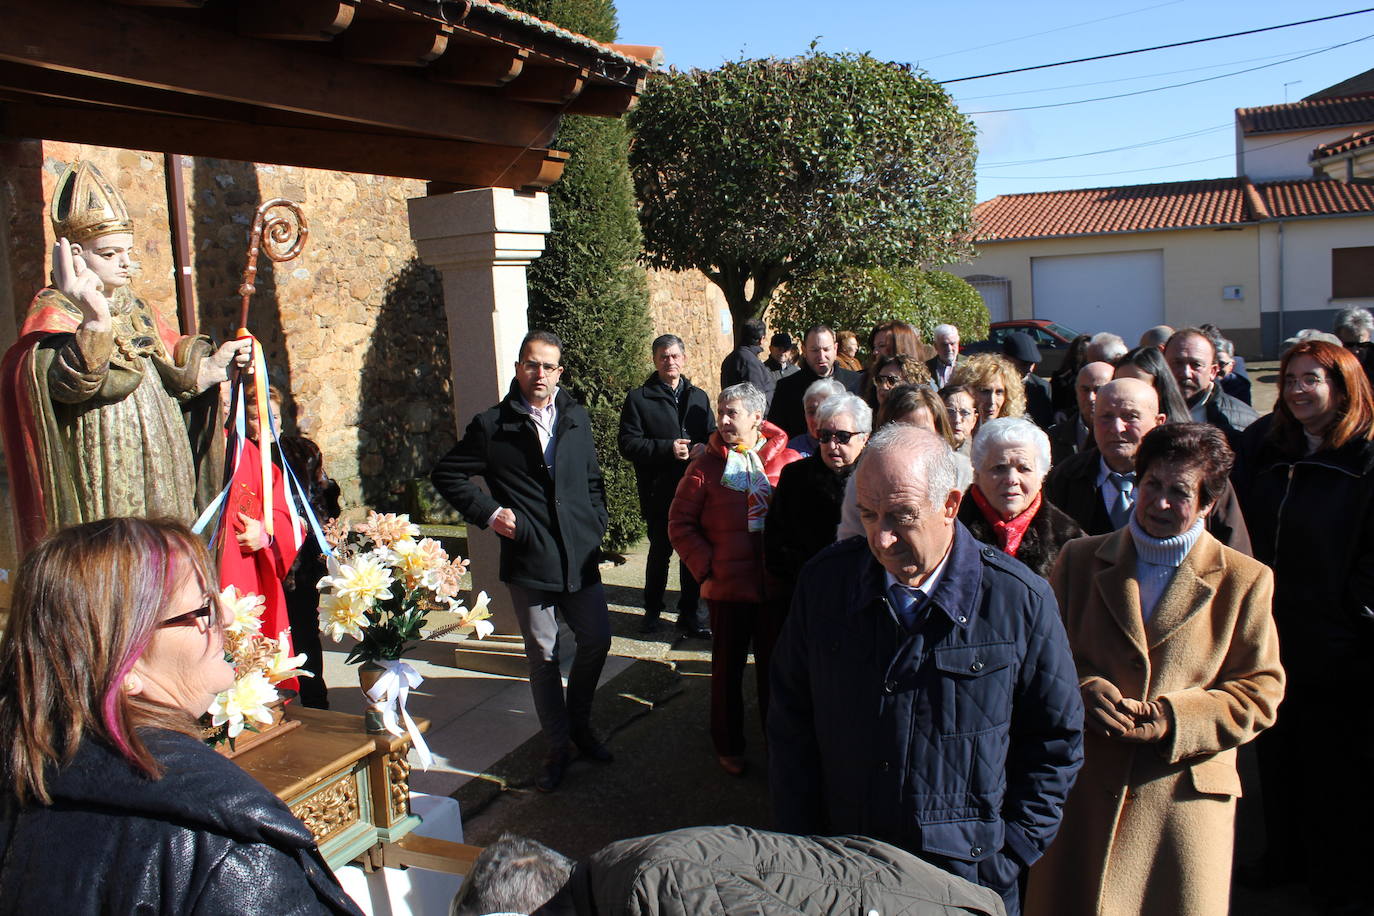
(1178, 663)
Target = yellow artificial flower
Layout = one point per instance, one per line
(284, 665)
(363, 581)
(340, 617)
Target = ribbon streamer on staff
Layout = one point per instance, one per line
(388, 696)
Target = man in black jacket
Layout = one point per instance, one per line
(536, 452)
(744, 364)
(664, 423)
(1020, 348)
(818, 362)
(1096, 487)
(1192, 358)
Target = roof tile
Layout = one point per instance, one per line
(1358, 140)
(1174, 205)
(1308, 114)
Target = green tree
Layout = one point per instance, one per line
(858, 298)
(588, 286)
(765, 170)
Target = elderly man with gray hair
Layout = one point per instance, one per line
(946, 337)
(806, 444)
(1105, 348)
(923, 690)
(1355, 327)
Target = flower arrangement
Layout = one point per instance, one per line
(383, 584)
(260, 663)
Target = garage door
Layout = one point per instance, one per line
(1121, 292)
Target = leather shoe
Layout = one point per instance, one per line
(650, 625)
(552, 774)
(695, 632)
(591, 747)
(733, 765)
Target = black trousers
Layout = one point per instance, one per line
(689, 612)
(738, 627)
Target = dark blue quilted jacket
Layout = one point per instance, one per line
(958, 743)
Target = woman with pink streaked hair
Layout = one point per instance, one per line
(109, 799)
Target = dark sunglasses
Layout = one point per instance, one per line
(841, 436)
(190, 617)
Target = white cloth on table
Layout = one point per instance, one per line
(411, 891)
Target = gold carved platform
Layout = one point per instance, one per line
(352, 789)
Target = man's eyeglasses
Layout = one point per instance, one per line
(841, 436)
(191, 618)
(959, 413)
(889, 381)
(531, 365)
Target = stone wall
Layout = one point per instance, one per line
(353, 329)
(692, 307)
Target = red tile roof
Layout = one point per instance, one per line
(1357, 140)
(1175, 205)
(1308, 114)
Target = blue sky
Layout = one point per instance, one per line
(1189, 129)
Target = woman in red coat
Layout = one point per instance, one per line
(716, 525)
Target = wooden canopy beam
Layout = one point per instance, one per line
(547, 85)
(394, 43)
(475, 65)
(295, 20)
(606, 101)
(129, 45)
(453, 162)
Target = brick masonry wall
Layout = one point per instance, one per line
(691, 306)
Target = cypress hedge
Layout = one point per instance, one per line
(588, 287)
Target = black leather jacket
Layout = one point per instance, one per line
(205, 838)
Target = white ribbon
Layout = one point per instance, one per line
(388, 698)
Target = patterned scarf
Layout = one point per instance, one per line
(1009, 533)
(744, 472)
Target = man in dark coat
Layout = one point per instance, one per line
(547, 501)
(924, 693)
(1192, 358)
(1020, 348)
(664, 423)
(1074, 431)
(1096, 488)
(818, 362)
(946, 358)
(744, 364)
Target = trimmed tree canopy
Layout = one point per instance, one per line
(763, 170)
(858, 299)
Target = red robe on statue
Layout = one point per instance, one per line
(260, 571)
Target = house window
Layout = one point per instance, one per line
(1352, 272)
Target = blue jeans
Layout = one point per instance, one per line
(589, 619)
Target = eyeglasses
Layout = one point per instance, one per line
(889, 381)
(841, 436)
(190, 618)
(1309, 382)
(958, 413)
(532, 365)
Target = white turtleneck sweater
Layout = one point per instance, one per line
(1157, 559)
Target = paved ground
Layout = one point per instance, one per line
(665, 775)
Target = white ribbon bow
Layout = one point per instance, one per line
(388, 698)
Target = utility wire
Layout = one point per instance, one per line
(1155, 168)
(1116, 149)
(1206, 79)
(1176, 44)
(1062, 28)
(1128, 79)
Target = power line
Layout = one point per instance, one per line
(1128, 79)
(1206, 79)
(1116, 149)
(1154, 168)
(1062, 28)
(1176, 44)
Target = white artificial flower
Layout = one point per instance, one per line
(246, 609)
(246, 701)
(340, 617)
(363, 582)
(284, 665)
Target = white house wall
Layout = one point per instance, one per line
(1277, 156)
(1198, 264)
(1305, 270)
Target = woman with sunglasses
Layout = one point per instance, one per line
(109, 800)
(891, 372)
(806, 506)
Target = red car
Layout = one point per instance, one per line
(1051, 337)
